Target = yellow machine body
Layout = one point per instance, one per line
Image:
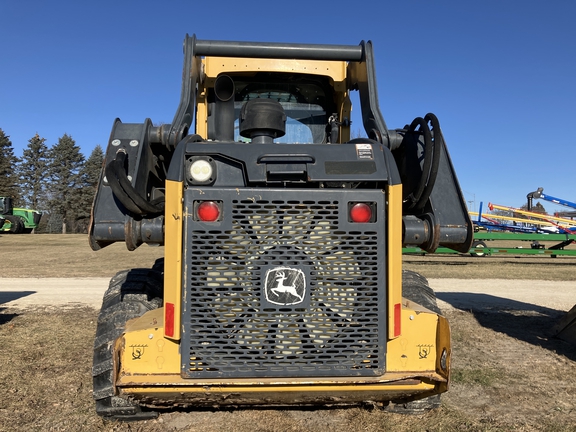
(149, 363)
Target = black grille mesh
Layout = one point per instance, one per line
(232, 331)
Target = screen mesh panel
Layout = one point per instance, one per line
(286, 287)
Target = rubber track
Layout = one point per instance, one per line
(419, 406)
(131, 293)
(415, 288)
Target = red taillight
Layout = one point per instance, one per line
(169, 319)
(360, 213)
(208, 211)
(397, 319)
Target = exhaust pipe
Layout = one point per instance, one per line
(224, 90)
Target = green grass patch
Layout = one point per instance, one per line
(482, 377)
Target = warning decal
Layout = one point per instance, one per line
(364, 151)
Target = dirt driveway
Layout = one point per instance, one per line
(465, 294)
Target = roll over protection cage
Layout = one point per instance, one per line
(440, 218)
(362, 78)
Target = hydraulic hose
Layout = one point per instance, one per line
(438, 143)
(125, 192)
(419, 122)
(433, 142)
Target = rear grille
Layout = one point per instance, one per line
(285, 287)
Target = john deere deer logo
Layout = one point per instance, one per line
(285, 286)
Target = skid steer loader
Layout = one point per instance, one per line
(282, 281)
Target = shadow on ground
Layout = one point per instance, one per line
(8, 296)
(523, 321)
(6, 317)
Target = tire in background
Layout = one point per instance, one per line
(16, 224)
(476, 245)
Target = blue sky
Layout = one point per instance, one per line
(500, 75)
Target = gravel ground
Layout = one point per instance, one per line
(467, 294)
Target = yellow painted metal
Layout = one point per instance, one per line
(213, 66)
(201, 120)
(394, 253)
(416, 349)
(405, 380)
(443, 342)
(212, 395)
(338, 390)
(173, 251)
(424, 335)
(144, 350)
(565, 329)
(150, 366)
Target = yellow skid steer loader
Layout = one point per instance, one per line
(282, 281)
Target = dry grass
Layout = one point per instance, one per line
(45, 377)
(57, 255)
(493, 267)
(507, 377)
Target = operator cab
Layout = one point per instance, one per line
(5, 205)
(308, 102)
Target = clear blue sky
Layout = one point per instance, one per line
(500, 75)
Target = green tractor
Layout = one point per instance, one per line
(17, 220)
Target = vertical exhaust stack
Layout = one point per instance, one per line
(224, 110)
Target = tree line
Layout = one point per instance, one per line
(57, 180)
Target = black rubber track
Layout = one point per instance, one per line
(415, 288)
(419, 406)
(131, 293)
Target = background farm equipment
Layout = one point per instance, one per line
(17, 220)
